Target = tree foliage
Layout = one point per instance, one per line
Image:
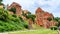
(29, 15)
(1, 2)
(11, 22)
(58, 20)
(49, 18)
(13, 10)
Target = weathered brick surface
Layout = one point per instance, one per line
(41, 18)
(17, 6)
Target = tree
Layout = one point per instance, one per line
(56, 19)
(13, 10)
(3, 14)
(1, 2)
(29, 15)
(58, 23)
(49, 18)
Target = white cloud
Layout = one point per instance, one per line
(52, 4)
(26, 4)
(31, 5)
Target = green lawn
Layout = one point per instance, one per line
(41, 31)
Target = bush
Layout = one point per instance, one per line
(9, 26)
(53, 28)
(14, 15)
(13, 10)
(3, 15)
(49, 18)
(26, 24)
(11, 22)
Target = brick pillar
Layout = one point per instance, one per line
(18, 11)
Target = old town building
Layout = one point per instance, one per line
(17, 7)
(41, 18)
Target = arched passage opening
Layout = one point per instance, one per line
(16, 8)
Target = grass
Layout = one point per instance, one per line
(41, 31)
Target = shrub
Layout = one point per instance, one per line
(53, 28)
(13, 10)
(14, 15)
(9, 26)
(3, 15)
(11, 22)
(49, 18)
(26, 24)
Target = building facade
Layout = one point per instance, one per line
(42, 18)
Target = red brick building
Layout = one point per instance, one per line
(17, 7)
(41, 18)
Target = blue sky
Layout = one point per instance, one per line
(52, 6)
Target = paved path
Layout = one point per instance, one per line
(17, 31)
(4, 33)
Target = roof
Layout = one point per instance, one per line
(39, 10)
(14, 3)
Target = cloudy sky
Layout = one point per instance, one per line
(52, 6)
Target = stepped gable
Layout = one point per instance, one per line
(46, 14)
(39, 10)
